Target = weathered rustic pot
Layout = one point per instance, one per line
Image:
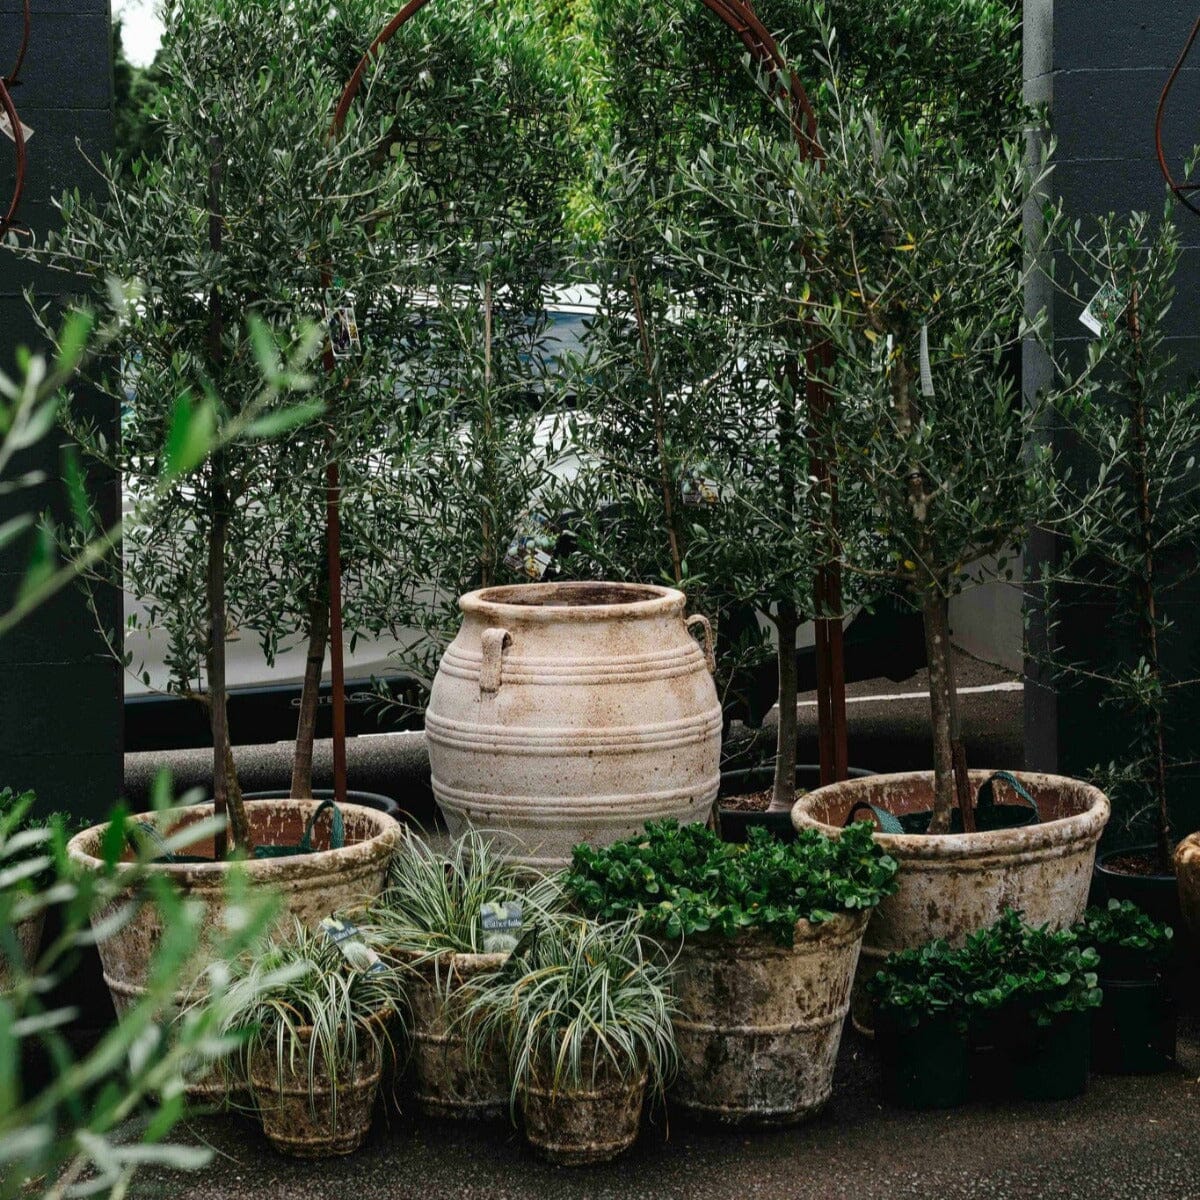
(573, 712)
(28, 933)
(759, 1024)
(1187, 875)
(311, 886)
(321, 1117)
(950, 885)
(578, 1126)
(446, 1078)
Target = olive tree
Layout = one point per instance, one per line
(899, 246)
(251, 213)
(1132, 498)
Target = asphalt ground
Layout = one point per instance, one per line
(1125, 1137)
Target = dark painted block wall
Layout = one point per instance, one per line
(1100, 66)
(60, 694)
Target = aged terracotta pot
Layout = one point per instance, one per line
(577, 1126)
(320, 1120)
(29, 939)
(1187, 875)
(447, 1080)
(573, 712)
(311, 885)
(759, 1024)
(953, 884)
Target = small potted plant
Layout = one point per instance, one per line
(429, 922)
(921, 1026)
(584, 1017)
(316, 1016)
(1032, 993)
(25, 841)
(768, 936)
(1133, 1030)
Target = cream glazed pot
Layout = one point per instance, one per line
(573, 712)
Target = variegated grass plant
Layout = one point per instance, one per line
(576, 1003)
(317, 1009)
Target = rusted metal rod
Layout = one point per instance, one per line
(1181, 190)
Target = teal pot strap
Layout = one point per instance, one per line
(985, 799)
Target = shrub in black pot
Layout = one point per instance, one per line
(921, 1021)
(1033, 989)
(1134, 1029)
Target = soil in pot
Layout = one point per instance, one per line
(446, 1078)
(745, 796)
(1134, 874)
(314, 1118)
(1134, 1029)
(926, 1067)
(579, 1126)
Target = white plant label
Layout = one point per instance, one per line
(501, 924)
(1103, 309)
(345, 935)
(342, 327)
(926, 369)
(699, 491)
(531, 551)
(7, 129)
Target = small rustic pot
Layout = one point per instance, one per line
(578, 1126)
(950, 885)
(573, 712)
(446, 1077)
(29, 940)
(310, 886)
(759, 1024)
(325, 1120)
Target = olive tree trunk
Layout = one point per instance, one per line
(306, 723)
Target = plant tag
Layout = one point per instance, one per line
(699, 491)
(342, 326)
(530, 553)
(1104, 308)
(7, 129)
(345, 936)
(926, 370)
(501, 925)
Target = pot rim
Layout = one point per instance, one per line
(536, 603)
(294, 868)
(1083, 826)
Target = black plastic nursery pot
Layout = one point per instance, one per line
(1134, 1029)
(924, 1067)
(1157, 895)
(1046, 1062)
(746, 781)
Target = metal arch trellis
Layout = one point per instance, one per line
(740, 18)
(1182, 191)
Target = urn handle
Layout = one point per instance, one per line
(710, 658)
(495, 642)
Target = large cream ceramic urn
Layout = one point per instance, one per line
(573, 712)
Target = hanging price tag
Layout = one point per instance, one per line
(341, 324)
(1104, 309)
(926, 369)
(698, 490)
(531, 551)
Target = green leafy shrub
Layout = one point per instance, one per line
(921, 985)
(1009, 967)
(679, 880)
(578, 1001)
(1126, 937)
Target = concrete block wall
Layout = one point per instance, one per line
(60, 695)
(1100, 65)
